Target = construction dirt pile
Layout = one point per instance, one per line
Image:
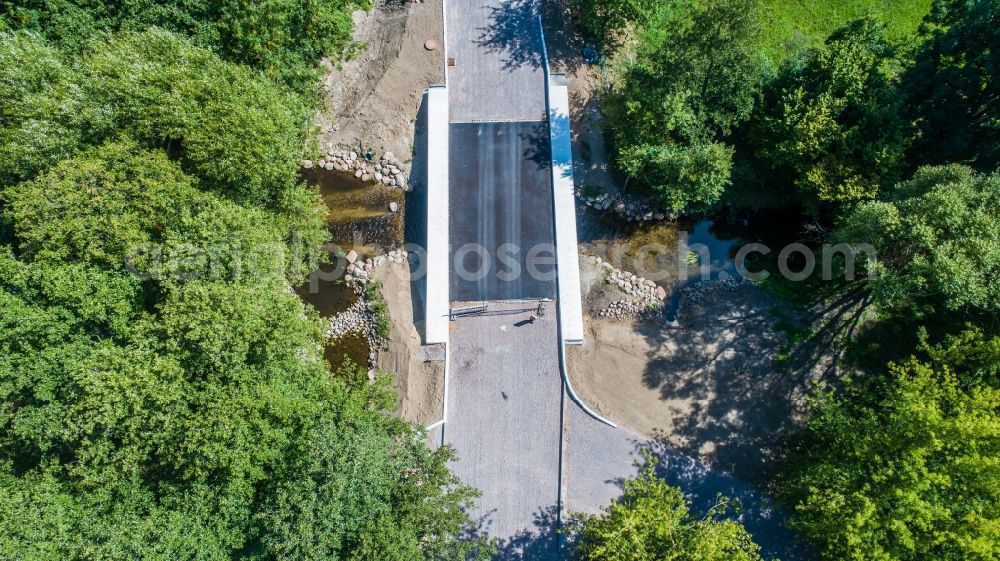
(372, 100)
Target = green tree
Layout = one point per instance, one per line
(970, 353)
(908, 472)
(236, 132)
(693, 78)
(188, 414)
(283, 39)
(40, 107)
(681, 177)
(954, 85)
(150, 216)
(199, 424)
(936, 239)
(830, 125)
(603, 19)
(390, 506)
(651, 521)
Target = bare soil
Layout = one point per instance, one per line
(419, 385)
(586, 83)
(718, 388)
(373, 99)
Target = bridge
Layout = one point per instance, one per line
(502, 249)
(502, 233)
(502, 222)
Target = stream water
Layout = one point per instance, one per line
(359, 219)
(680, 254)
(358, 212)
(674, 255)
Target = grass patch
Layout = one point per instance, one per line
(373, 295)
(794, 24)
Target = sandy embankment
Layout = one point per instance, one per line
(418, 384)
(372, 100)
(712, 388)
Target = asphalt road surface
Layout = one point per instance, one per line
(495, 67)
(501, 226)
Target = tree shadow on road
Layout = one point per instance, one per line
(537, 146)
(513, 31)
(704, 487)
(539, 543)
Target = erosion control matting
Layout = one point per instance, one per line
(501, 230)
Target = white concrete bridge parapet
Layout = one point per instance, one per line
(438, 254)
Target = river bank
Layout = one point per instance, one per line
(666, 354)
(709, 386)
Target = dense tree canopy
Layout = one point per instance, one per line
(830, 124)
(898, 463)
(235, 131)
(190, 414)
(692, 79)
(937, 240)
(954, 85)
(970, 353)
(138, 200)
(238, 135)
(282, 38)
(41, 107)
(187, 419)
(907, 476)
(652, 522)
(163, 393)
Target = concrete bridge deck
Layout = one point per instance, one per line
(501, 226)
